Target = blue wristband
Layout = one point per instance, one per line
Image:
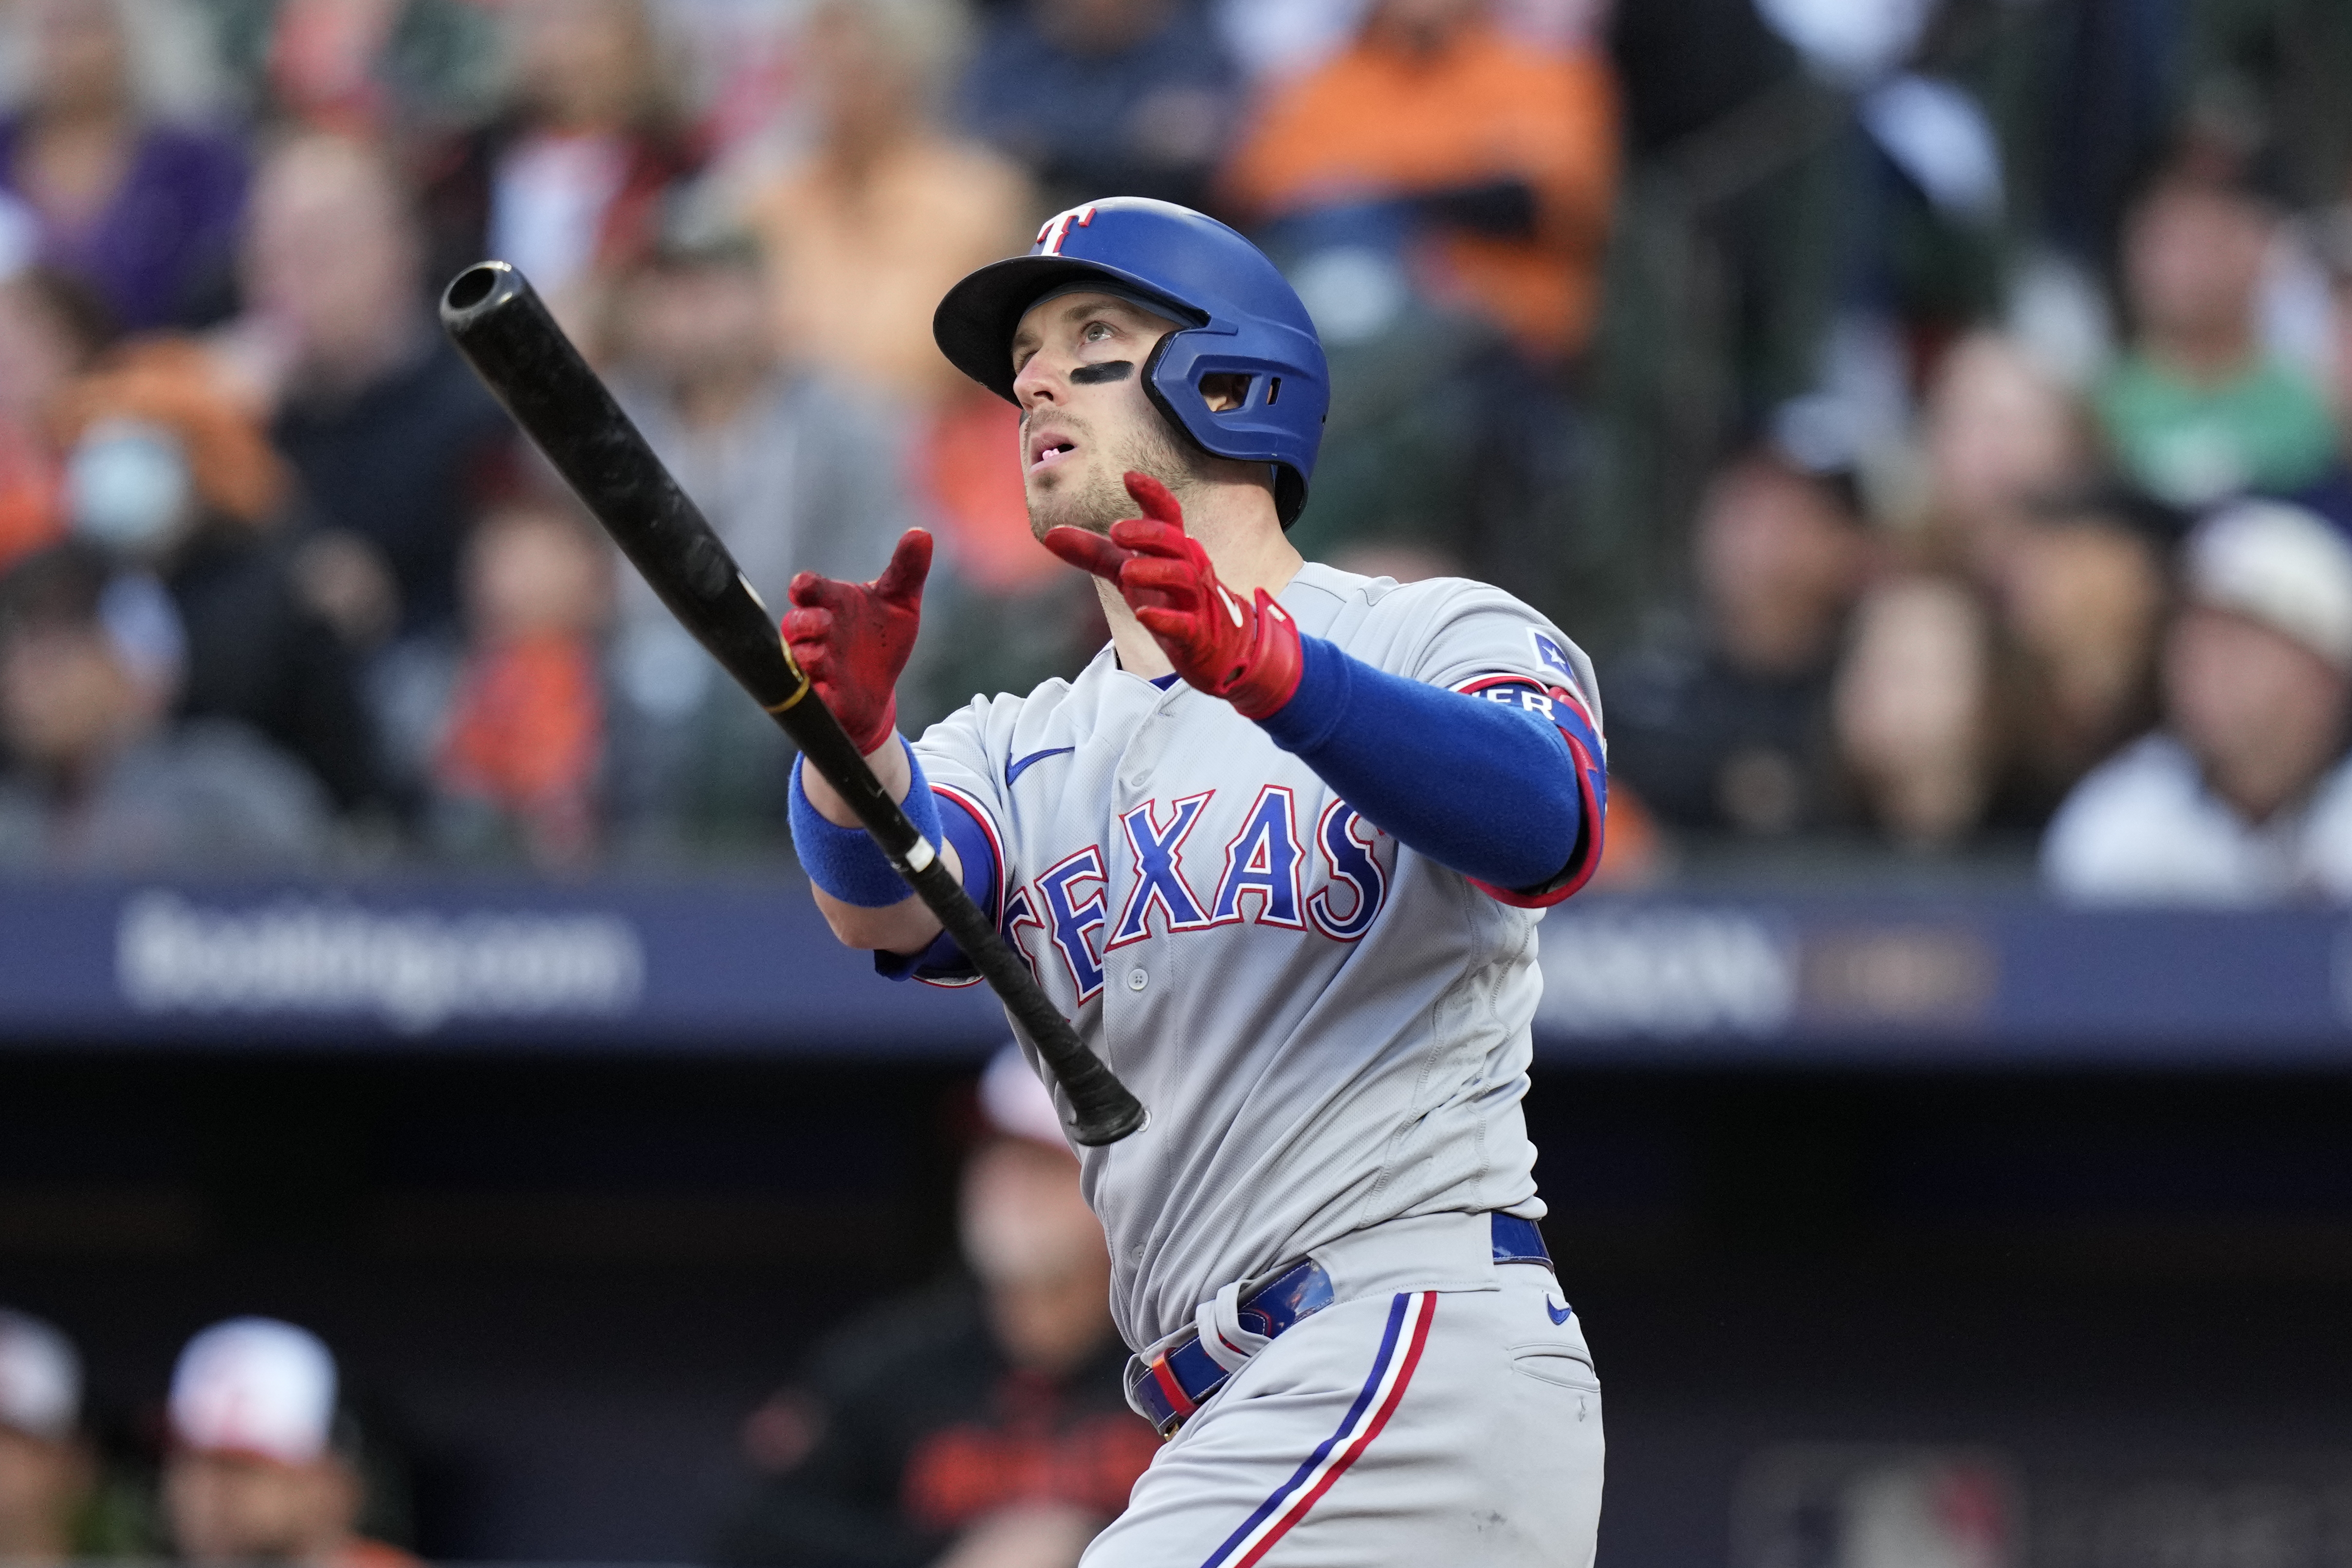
(845, 861)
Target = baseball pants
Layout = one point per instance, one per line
(1413, 1427)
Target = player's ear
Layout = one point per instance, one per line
(1224, 391)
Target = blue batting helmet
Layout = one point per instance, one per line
(1241, 317)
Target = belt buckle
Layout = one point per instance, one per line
(1277, 1300)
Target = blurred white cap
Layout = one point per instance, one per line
(2279, 565)
(41, 1378)
(1015, 1102)
(255, 1386)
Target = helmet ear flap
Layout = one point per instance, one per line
(1289, 494)
(1289, 484)
(1159, 394)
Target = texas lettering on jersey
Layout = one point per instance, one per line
(1332, 879)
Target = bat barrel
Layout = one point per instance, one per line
(506, 333)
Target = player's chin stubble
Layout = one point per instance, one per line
(1100, 498)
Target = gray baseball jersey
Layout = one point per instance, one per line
(1331, 1030)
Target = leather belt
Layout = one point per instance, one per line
(1181, 1377)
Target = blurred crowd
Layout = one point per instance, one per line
(261, 1459)
(1932, 412)
(980, 1422)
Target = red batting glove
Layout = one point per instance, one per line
(1246, 653)
(853, 639)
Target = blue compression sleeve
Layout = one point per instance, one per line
(943, 963)
(845, 861)
(1487, 789)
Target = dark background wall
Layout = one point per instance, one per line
(560, 1284)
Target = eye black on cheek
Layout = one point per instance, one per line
(1108, 371)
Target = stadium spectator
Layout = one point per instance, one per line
(364, 67)
(568, 183)
(2245, 795)
(1494, 163)
(2000, 440)
(101, 779)
(795, 470)
(966, 1426)
(263, 1465)
(169, 472)
(1914, 708)
(516, 762)
(2198, 412)
(394, 439)
(867, 231)
(142, 209)
(863, 235)
(1729, 728)
(2081, 609)
(1105, 97)
(51, 326)
(2332, 496)
(47, 1477)
(742, 68)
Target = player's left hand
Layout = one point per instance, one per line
(1246, 653)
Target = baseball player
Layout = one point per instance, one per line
(1279, 852)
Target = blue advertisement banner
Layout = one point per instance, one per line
(746, 967)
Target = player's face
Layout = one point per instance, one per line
(1086, 420)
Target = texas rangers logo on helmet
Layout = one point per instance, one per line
(1057, 229)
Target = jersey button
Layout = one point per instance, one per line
(1137, 980)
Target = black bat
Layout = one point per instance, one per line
(504, 331)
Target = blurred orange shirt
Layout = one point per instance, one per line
(859, 264)
(527, 724)
(30, 512)
(968, 464)
(1377, 121)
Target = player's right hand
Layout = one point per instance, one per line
(1243, 650)
(853, 639)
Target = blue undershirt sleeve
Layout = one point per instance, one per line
(943, 963)
(1489, 790)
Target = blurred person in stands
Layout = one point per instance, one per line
(1493, 162)
(1728, 727)
(47, 1475)
(1913, 705)
(51, 326)
(263, 1467)
(568, 183)
(1105, 97)
(169, 471)
(2012, 505)
(980, 1426)
(101, 779)
(865, 232)
(2001, 439)
(366, 67)
(516, 761)
(796, 471)
(2331, 496)
(392, 437)
(2081, 614)
(863, 235)
(142, 208)
(2245, 795)
(1442, 192)
(2198, 412)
